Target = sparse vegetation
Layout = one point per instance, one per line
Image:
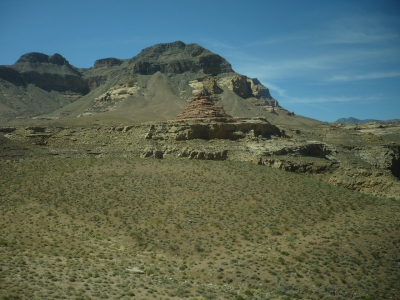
(119, 228)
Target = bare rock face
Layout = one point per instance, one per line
(259, 90)
(177, 58)
(107, 62)
(240, 86)
(202, 107)
(382, 157)
(248, 87)
(234, 129)
(185, 152)
(50, 73)
(115, 94)
(205, 86)
(11, 75)
(372, 181)
(300, 167)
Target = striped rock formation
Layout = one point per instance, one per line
(202, 108)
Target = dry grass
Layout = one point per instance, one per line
(72, 228)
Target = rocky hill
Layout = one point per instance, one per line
(351, 120)
(38, 84)
(155, 85)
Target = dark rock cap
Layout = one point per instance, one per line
(36, 57)
(178, 57)
(107, 62)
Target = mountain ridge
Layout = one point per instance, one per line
(351, 120)
(126, 90)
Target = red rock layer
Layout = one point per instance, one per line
(202, 107)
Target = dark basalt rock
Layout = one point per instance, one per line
(57, 59)
(177, 58)
(56, 82)
(36, 57)
(50, 73)
(33, 57)
(107, 62)
(11, 75)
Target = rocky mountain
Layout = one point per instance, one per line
(155, 85)
(351, 120)
(38, 84)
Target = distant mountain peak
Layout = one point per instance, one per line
(178, 57)
(37, 57)
(156, 84)
(351, 120)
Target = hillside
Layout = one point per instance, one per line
(351, 120)
(133, 228)
(154, 85)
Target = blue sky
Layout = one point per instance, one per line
(320, 59)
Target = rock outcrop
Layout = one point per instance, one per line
(11, 75)
(177, 58)
(107, 62)
(115, 94)
(209, 129)
(248, 88)
(240, 86)
(50, 73)
(202, 119)
(288, 148)
(203, 107)
(259, 90)
(382, 157)
(205, 86)
(185, 152)
(313, 167)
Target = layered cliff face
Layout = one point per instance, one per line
(155, 85)
(38, 84)
(11, 75)
(177, 58)
(50, 73)
(202, 107)
(107, 62)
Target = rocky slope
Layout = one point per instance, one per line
(155, 85)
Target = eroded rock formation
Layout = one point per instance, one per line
(203, 107)
(235, 129)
